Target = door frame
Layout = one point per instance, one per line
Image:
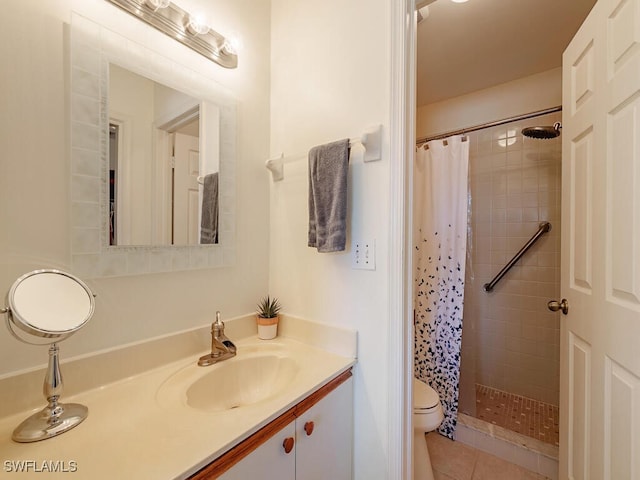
(402, 138)
(124, 123)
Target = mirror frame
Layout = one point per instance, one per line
(93, 47)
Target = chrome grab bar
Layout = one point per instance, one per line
(544, 228)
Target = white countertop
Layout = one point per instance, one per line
(131, 433)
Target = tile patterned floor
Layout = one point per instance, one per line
(520, 414)
(456, 461)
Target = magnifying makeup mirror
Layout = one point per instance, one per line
(47, 306)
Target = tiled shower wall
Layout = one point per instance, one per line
(510, 338)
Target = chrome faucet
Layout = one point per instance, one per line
(221, 347)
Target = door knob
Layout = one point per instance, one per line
(563, 306)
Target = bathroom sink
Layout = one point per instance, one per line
(240, 381)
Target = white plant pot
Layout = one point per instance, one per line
(267, 332)
(267, 327)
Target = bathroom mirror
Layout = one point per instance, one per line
(159, 184)
(96, 250)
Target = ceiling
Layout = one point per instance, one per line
(463, 47)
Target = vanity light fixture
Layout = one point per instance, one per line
(188, 29)
(459, 1)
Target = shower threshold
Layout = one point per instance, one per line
(519, 414)
(528, 452)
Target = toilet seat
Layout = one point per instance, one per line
(425, 398)
(426, 411)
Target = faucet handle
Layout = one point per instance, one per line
(218, 326)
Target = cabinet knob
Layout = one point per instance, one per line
(288, 444)
(308, 427)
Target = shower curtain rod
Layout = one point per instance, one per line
(497, 123)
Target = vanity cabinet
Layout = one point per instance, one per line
(311, 441)
(269, 460)
(324, 437)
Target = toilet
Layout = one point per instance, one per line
(427, 416)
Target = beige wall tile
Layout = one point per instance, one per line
(513, 189)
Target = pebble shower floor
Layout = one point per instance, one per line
(523, 415)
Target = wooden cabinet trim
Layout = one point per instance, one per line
(232, 456)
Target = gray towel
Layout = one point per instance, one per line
(328, 169)
(209, 219)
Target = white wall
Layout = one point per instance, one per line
(35, 185)
(170, 104)
(330, 80)
(528, 94)
(330, 70)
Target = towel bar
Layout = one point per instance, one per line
(371, 140)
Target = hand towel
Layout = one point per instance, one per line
(209, 219)
(328, 169)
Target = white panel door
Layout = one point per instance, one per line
(186, 204)
(600, 336)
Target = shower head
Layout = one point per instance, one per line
(543, 132)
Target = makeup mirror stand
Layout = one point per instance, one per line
(56, 417)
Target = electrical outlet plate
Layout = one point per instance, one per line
(364, 255)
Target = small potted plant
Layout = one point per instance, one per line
(267, 317)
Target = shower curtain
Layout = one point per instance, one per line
(440, 244)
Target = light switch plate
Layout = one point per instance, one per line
(364, 255)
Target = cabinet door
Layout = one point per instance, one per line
(324, 447)
(268, 461)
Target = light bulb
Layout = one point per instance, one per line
(231, 45)
(156, 4)
(197, 25)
